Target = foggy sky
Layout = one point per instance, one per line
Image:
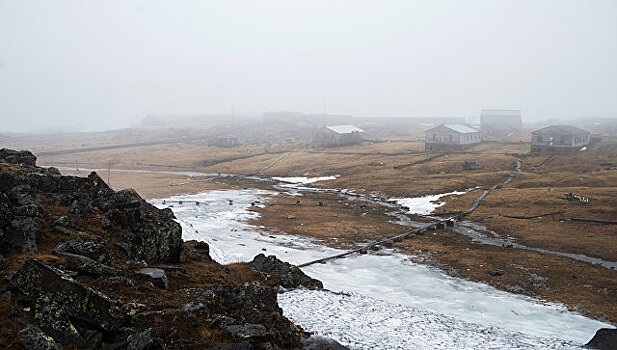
(103, 64)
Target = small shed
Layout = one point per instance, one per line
(224, 141)
(451, 137)
(559, 139)
(337, 135)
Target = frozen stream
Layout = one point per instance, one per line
(380, 301)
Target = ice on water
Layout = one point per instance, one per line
(384, 293)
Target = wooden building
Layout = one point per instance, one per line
(337, 135)
(224, 141)
(451, 137)
(500, 122)
(556, 139)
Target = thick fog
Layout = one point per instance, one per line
(91, 65)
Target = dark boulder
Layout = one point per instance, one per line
(54, 321)
(150, 338)
(193, 250)
(604, 339)
(78, 301)
(153, 234)
(20, 195)
(6, 214)
(86, 265)
(32, 210)
(64, 221)
(80, 188)
(4, 262)
(284, 274)
(242, 300)
(156, 276)
(33, 338)
(322, 343)
(21, 234)
(247, 332)
(93, 250)
(12, 156)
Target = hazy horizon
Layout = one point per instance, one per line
(101, 65)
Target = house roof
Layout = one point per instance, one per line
(566, 129)
(344, 129)
(457, 128)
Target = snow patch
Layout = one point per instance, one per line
(302, 180)
(423, 205)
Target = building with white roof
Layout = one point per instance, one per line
(337, 135)
(451, 137)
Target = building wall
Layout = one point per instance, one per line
(501, 124)
(325, 137)
(552, 141)
(455, 141)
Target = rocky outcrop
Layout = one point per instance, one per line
(153, 234)
(76, 300)
(283, 273)
(604, 339)
(87, 267)
(11, 156)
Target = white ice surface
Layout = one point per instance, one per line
(304, 180)
(422, 299)
(423, 205)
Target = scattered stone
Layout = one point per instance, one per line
(287, 275)
(291, 217)
(156, 276)
(53, 171)
(494, 272)
(220, 321)
(604, 339)
(85, 264)
(22, 233)
(122, 280)
(106, 223)
(4, 262)
(20, 195)
(247, 332)
(31, 210)
(148, 339)
(91, 249)
(33, 338)
(63, 230)
(133, 308)
(63, 221)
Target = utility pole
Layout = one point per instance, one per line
(109, 174)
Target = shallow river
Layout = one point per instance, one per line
(380, 300)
